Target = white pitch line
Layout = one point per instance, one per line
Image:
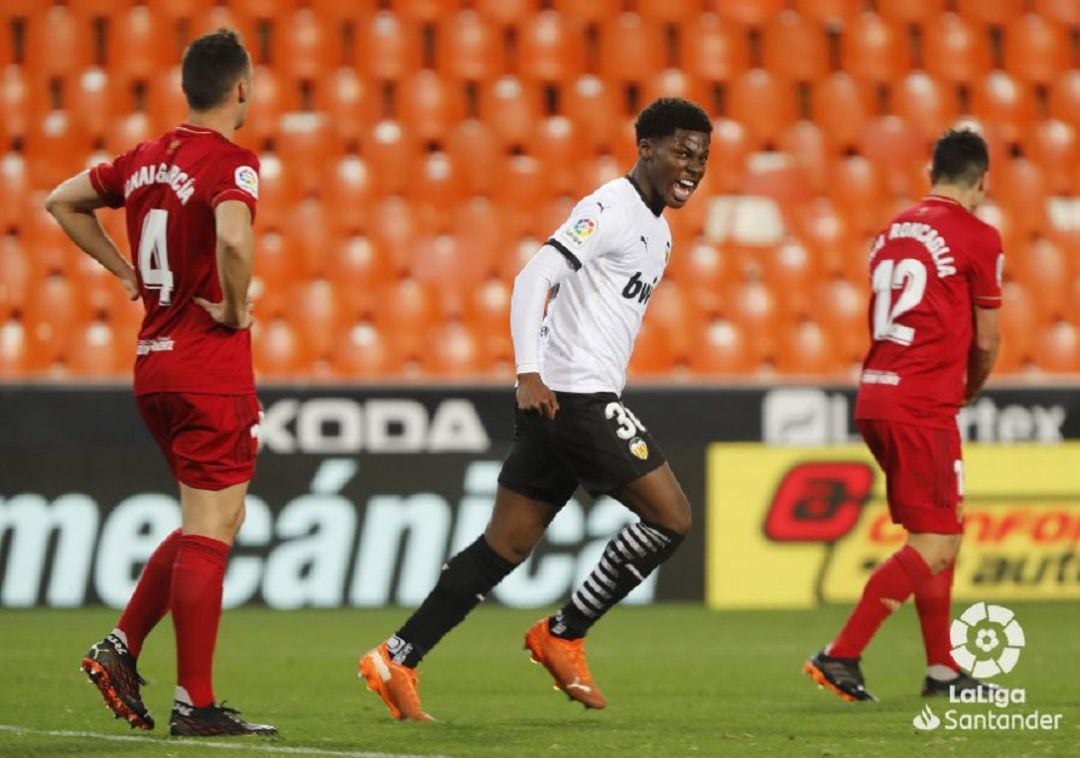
(244, 745)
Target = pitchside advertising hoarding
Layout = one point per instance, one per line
(361, 494)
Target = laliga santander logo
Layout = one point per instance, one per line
(926, 720)
(986, 640)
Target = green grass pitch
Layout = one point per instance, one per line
(680, 681)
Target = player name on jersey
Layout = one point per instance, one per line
(170, 174)
(928, 237)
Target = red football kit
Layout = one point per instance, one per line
(205, 420)
(927, 269)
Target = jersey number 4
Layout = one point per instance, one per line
(154, 255)
(908, 275)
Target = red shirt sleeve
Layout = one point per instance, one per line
(987, 267)
(108, 181)
(238, 180)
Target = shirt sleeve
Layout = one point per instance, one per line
(986, 271)
(108, 181)
(238, 180)
(531, 287)
(590, 232)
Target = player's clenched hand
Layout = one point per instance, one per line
(534, 395)
(221, 315)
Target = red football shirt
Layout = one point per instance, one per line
(169, 188)
(927, 269)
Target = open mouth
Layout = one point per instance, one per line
(683, 189)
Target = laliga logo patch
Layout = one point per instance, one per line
(986, 640)
(582, 229)
(247, 180)
(638, 448)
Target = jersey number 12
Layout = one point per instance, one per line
(906, 274)
(154, 255)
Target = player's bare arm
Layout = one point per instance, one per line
(984, 350)
(235, 257)
(73, 204)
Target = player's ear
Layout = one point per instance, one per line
(645, 149)
(243, 89)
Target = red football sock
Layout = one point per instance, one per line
(150, 600)
(196, 609)
(933, 600)
(886, 589)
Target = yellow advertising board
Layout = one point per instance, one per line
(794, 527)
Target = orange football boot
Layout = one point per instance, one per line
(397, 685)
(565, 661)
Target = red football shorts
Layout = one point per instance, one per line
(924, 473)
(210, 441)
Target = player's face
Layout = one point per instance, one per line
(677, 166)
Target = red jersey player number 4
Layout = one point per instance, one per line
(170, 188)
(933, 263)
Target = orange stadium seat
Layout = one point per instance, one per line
(14, 188)
(857, 189)
(279, 351)
(832, 13)
(1063, 11)
(593, 105)
(506, 12)
(96, 351)
(451, 270)
(701, 268)
(805, 142)
(728, 154)
(874, 50)
(676, 82)
(487, 314)
(138, 44)
(389, 47)
(1042, 267)
(511, 108)
(677, 318)
(522, 189)
(1052, 145)
(1000, 99)
(764, 104)
(304, 144)
(806, 350)
(348, 191)
(749, 12)
(721, 349)
(305, 47)
(469, 47)
(15, 276)
(556, 142)
(752, 305)
(997, 13)
(911, 11)
(922, 101)
(349, 102)
(841, 308)
(552, 48)
(58, 43)
(1017, 325)
(386, 151)
(425, 10)
(360, 269)
(276, 192)
(365, 352)
(176, 10)
(309, 237)
(631, 49)
(778, 176)
(653, 356)
(451, 350)
(1018, 186)
(125, 132)
(51, 314)
(668, 11)
(955, 50)
(1036, 50)
(791, 270)
(14, 350)
(51, 252)
(841, 106)
(713, 50)
(165, 102)
(1064, 99)
(54, 149)
(795, 48)
(317, 314)
(407, 309)
(275, 271)
(472, 148)
(19, 101)
(897, 149)
(394, 229)
(430, 105)
(825, 231)
(1056, 347)
(593, 11)
(91, 103)
(270, 99)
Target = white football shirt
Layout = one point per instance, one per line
(618, 248)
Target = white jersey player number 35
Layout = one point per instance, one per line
(154, 255)
(906, 274)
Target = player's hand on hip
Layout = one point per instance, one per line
(226, 316)
(534, 395)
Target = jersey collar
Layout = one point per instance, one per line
(642, 196)
(943, 199)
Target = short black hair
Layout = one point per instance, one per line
(662, 117)
(212, 65)
(960, 157)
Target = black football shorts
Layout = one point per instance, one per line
(594, 440)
